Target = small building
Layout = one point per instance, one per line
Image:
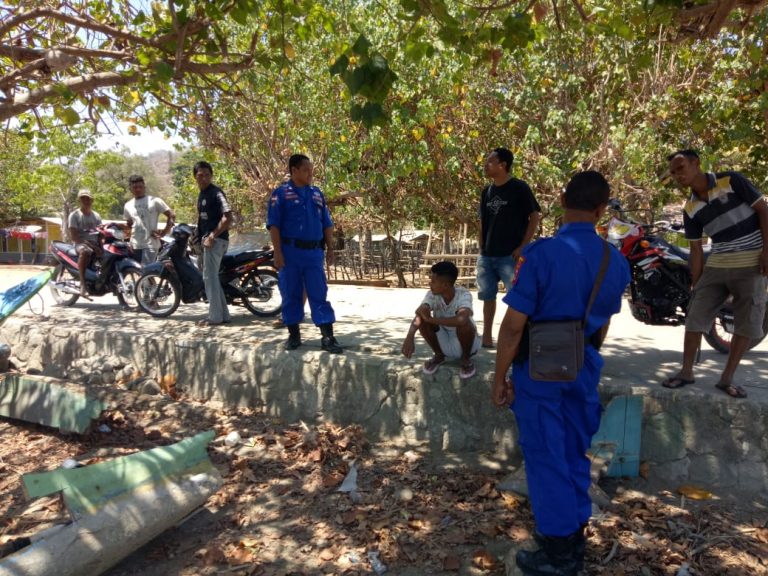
(26, 241)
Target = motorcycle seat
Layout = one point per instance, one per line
(237, 258)
(68, 249)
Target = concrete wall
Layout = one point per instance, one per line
(688, 436)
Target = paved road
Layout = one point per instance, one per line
(374, 321)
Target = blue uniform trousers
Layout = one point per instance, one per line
(556, 422)
(304, 270)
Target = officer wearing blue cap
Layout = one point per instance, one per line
(556, 420)
(300, 226)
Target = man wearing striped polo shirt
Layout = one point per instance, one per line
(731, 211)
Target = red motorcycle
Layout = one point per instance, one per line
(115, 272)
(660, 289)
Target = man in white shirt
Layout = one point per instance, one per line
(141, 215)
(444, 319)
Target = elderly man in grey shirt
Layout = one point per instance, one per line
(82, 224)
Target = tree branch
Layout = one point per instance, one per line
(78, 84)
(193, 26)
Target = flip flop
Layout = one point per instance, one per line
(431, 365)
(490, 346)
(467, 371)
(734, 391)
(674, 382)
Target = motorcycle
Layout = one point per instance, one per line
(660, 289)
(248, 278)
(116, 272)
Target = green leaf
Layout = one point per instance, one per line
(373, 115)
(163, 70)
(361, 45)
(67, 115)
(143, 57)
(341, 64)
(239, 15)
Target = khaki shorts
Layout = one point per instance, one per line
(746, 285)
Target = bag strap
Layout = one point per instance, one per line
(598, 281)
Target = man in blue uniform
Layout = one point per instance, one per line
(300, 226)
(556, 420)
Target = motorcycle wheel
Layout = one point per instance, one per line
(64, 276)
(127, 297)
(719, 336)
(260, 293)
(157, 296)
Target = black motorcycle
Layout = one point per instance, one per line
(115, 272)
(247, 277)
(660, 288)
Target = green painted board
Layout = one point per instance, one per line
(44, 402)
(621, 426)
(86, 489)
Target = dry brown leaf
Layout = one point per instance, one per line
(694, 492)
(417, 523)
(484, 560)
(237, 555)
(485, 490)
(250, 542)
(348, 517)
(327, 554)
(518, 534)
(211, 555)
(452, 563)
(332, 479)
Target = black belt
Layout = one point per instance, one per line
(303, 244)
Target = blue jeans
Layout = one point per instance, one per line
(490, 271)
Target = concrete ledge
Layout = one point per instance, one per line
(692, 435)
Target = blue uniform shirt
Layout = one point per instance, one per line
(299, 213)
(555, 276)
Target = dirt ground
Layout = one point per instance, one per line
(280, 513)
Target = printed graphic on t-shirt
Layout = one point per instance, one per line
(495, 204)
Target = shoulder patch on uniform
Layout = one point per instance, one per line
(518, 266)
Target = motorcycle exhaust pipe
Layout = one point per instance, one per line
(64, 287)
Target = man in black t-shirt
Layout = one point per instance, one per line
(509, 217)
(214, 216)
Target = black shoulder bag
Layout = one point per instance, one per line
(556, 349)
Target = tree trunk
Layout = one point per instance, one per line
(395, 259)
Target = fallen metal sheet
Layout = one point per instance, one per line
(43, 402)
(86, 489)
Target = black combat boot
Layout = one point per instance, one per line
(294, 337)
(328, 342)
(579, 549)
(558, 556)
